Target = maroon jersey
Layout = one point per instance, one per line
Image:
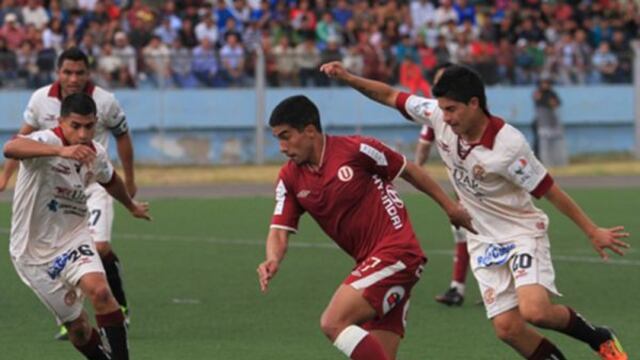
(351, 197)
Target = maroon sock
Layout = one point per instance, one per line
(460, 263)
(369, 348)
(112, 326)
(92, 350)
(546, 351)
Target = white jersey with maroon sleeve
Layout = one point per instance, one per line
(493, 178)
(49, 203)
(351, 197)
(426, 134)
(43, 111)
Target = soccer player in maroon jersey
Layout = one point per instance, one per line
(345, 184)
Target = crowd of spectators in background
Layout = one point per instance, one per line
(197, 43)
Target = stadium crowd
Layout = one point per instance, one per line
(196, 43)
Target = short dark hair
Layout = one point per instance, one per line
(73, 54)
(460, 83)
(78, 103)
(296, 111)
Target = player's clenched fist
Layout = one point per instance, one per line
(334, 70)
(266, 271)
(82, 153)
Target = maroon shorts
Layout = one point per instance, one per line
(386, 280)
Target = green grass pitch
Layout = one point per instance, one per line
(191, 281)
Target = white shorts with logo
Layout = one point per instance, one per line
(100, 205)
(57, 286)
(501, 268)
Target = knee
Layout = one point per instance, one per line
(331, 326)
(103, 248)
(100, 295)
(535, 315)
(508, 331)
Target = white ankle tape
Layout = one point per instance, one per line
(349, 338)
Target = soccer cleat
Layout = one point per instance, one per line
(63, 334)
(612, 350)
(127, 318)
(451, 297)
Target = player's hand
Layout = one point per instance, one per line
(604, 238)
(140, 210)
(81, 153)
(459, 217)
(266, 271)
(132, 188)
(3, 182)
(334, 70)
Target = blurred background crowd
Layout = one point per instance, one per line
(198, 43)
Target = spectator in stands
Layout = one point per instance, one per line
(445, 13)
(53, 37)
(165, 31)
(621, 48)
(34, 13)
(187, 36)
(26, 58)
(10, 7)
(205, 64)
(180, 64)
(605, 64)
(308, 60)
(327, 29)
(232, 58)
(206, 28)
(411, 76)
(422, 13)
(126, 53)
(12, 32)
(156, 62)
(90, 48)
(465, 11)
(108, 66)
(8, 64)
(285, 56)
(342, 12)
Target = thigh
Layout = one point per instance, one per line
(386, 282)
(531, 264)
(100, 205)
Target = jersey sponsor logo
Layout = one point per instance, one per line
(391, 201)
(345, 173)
(53, 205)
(62, 169)
(303, 194)
(495, 254)
(281, 193)
(50, 118)
(392, 298)
(375, 154)
(426, 108)
(69, 256)
(523, 173)
(75, 195)
(464, 180)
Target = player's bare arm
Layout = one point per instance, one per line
(10, 165)
(125, 153)
(23, 148)
(422, 152)
(117, 189)
(277, 244)
(601, 238)
(374, 90)
(421, 180)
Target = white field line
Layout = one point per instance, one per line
(327, 245)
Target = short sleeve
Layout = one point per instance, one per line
(31, 114)
(45, 137)
(115, 118)
(287, 211)
(380, 159)
(418, 109)
(427, 134)
(103, 169)
(527, 172)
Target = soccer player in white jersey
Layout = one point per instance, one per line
(51, 246)
(454, 295)
(495, 173)
(42, 113)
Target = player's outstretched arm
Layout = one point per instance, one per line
(23, 148)
(375, 90)
(125, 153)
(601, 238)
(11, 165)
(117, 189)
(421, 180)
(277, 244)
(422, 152)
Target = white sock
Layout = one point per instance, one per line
(458, 286)
(349, 338)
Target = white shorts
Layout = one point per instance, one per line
(100, 205)
(57, 286)
(501, 268)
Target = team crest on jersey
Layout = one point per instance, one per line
(345, 173)
(478, 172)
(392, 298)
(425, 108)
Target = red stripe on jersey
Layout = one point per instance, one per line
(429, 135)
(401, 102)
(543, 187)
(58, 131)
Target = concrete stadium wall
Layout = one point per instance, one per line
(217, 126)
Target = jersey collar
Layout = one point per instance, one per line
(58, 131)
(324, 147)
(56, 90)
(487, 140)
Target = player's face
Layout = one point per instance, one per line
(457, 114)
(73, 76)
(296, 145)
(78, 129)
